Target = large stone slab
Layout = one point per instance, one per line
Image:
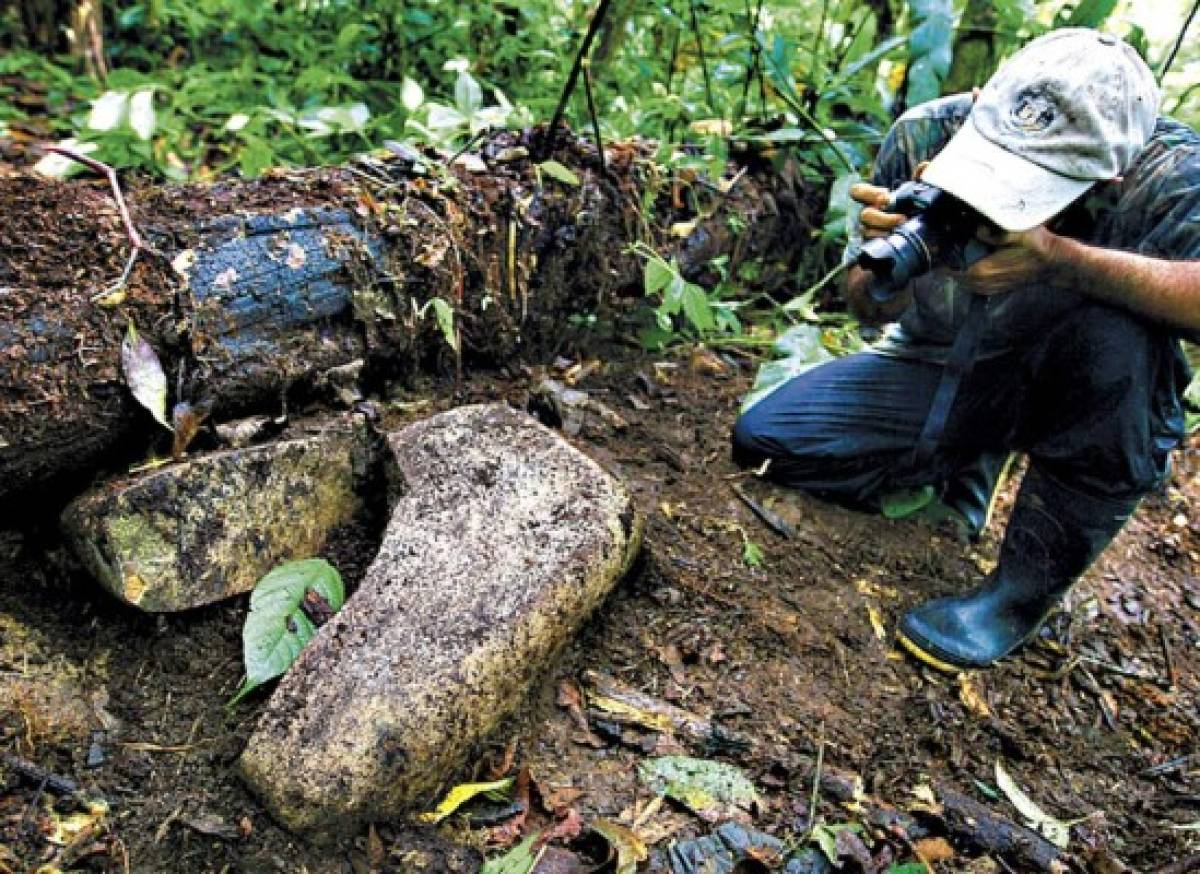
(194, 533)
(504, 540)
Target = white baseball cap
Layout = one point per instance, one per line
(1072, 108)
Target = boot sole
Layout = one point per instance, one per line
(914, 649)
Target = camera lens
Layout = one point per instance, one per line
(898, 258)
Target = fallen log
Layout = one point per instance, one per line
(253, 289)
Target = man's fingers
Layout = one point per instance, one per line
(870, 195)
(920, 170)
(878, 220)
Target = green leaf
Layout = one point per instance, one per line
(825, 837)
(703, 786)
(468, 96)
(558, 171)
(277, 628)
(908, 868)
(696, 308)
(657, 275)
(411, 95)
(519, 860)
(444, 313)
(1091, 13)
(752, 554)
(902, 503)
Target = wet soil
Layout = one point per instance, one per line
(1098, 719)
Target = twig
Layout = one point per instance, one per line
(1179, 41)
(1166, 767)
(1109, 667)
(755, 68)
(816, 788)
(768, 517)
(591, 105)
(475, 137)
(573, 76)
(1168, 658)
(135, 239)
(36, 774)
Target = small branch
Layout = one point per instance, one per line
(1179, 41)
(573, 76)
(131, 231)
(591, 104)
(816, 788)
(37, 775)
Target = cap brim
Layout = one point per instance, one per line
(1014, 193)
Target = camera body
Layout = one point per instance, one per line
(940, 231)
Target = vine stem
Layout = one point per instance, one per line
(573, 76)
(1179, 41)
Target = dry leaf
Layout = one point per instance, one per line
(1052, 829)
(933, 850)
(972, 698)
(144, 375)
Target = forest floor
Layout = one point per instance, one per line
(1098, 720)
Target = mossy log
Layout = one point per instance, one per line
(253, 289)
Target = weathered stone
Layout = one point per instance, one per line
(194, 533)
(504, 539)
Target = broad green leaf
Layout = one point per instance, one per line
(461, 794)
(701, 785)
(558, 171)
(902, 503)
(825, 837)
(277, 628)
(696, 308)
(444, 313)
(519, 860)
(1091, 13)
(468, 96)
(144, 375)
(909, 868)
(657, 275)
(411, 95)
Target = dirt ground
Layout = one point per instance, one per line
(1098, 720)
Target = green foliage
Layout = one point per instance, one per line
(278, 627)
(929, 49)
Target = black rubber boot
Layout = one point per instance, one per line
(971, 490)
(1054, 535)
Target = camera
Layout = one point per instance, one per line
(940, 231)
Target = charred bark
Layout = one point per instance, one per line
(256, 288)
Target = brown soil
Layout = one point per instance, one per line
(1094, 721)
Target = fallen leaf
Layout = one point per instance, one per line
(709, 789)
(461, 794)
(971, 697)
(144, 375)
(627, 847)
(374, 847)
(1056, 831)
(519, 860)
(933, 850)
(877, 622)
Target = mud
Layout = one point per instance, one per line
(1098, 719)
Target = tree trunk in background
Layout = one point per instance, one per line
(259, 288)
(975, 49)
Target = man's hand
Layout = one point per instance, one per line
(1020, 259)
(873, 221)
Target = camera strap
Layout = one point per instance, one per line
(958, 367)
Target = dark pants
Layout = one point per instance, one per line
(1094, 403)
